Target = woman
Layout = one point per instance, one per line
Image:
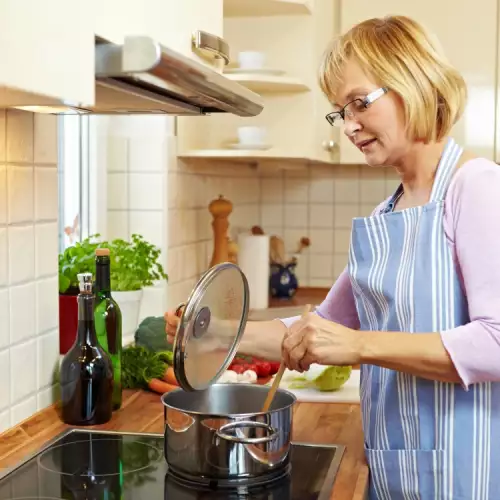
(419, 303)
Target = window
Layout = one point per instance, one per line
(80, 193)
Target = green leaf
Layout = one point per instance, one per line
(135, 264)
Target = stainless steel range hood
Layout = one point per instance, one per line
(141, 76)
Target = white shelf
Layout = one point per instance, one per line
(268, 83)
(246, 8)
(283, 160)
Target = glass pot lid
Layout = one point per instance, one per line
(211, 327)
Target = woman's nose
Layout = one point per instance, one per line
(351, 126)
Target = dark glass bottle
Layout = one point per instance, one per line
(86, 371)
(108, 321)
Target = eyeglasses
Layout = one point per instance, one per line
(351, 109)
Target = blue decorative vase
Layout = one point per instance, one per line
(283, 282)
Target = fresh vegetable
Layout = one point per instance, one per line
(263, 368)
(140, 366)
(322, 378)
(160, 386)
(275, 367)
(169, 376)
(151, 334)
(232, 377)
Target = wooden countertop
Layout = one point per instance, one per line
(142, 412)
(303, 296)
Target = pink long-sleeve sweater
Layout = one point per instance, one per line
(472, 227)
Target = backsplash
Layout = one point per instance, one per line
(318, 202)
(138, 150)
(29, 341)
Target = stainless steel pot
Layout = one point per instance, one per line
(219, 434)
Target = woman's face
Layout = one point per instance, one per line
(379, 130)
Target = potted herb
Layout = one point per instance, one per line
(78, 258)
(135, 264)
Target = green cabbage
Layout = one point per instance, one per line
(324, 378)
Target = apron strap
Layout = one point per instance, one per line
(445, 170)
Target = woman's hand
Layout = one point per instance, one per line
(317, 340)
(172, 321)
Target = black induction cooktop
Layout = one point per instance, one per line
(95, 465)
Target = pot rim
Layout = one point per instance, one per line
(230, 415)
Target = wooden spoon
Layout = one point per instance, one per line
(279, 375)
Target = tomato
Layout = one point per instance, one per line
(238, 368)
(275, 366)
(264, 369)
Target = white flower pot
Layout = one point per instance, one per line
(130, 305)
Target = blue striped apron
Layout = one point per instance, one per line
(423, 439)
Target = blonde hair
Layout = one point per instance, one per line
(402, 56)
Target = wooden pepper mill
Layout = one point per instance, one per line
(220, 210)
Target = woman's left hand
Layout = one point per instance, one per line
(317, 340)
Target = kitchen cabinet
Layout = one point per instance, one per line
(468, 34)
(292, 35)
(170, 22)
(47, 50)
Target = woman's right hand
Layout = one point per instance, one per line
(172, 320)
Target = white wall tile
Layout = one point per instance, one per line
(146, 192)
(321, 266)
(21, 411)
(3, 193)
(4, 258)
(296, 190)
(48, 358)
(5, 378)
(20, 186)
(46, 244)
(118, 224)
(4, 420)
(272, 190)
(148, 154)
(117, 154)
(272, 214)
(20, 131)
(45, 139)
(153, 302)
(4, 318)
(321, 241)
(47, 396)
(22, 312)
(244, 217)
(22, 381)
(149, 224)
(27, 251)
(3, 137)
(296, 216)
(118, 191)
(321, 215)
(46, 193)
(47, 304)
(21, 254)
(344, 214)
(321, 189)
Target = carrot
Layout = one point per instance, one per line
(157, 385)
(169, 376)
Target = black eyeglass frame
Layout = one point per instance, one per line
(364, 103)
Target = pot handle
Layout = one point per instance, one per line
(221, 432)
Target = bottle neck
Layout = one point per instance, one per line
(86, 326)
(103, 276)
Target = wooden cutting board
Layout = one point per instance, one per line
(348, 393)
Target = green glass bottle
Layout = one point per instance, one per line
(108, 320)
